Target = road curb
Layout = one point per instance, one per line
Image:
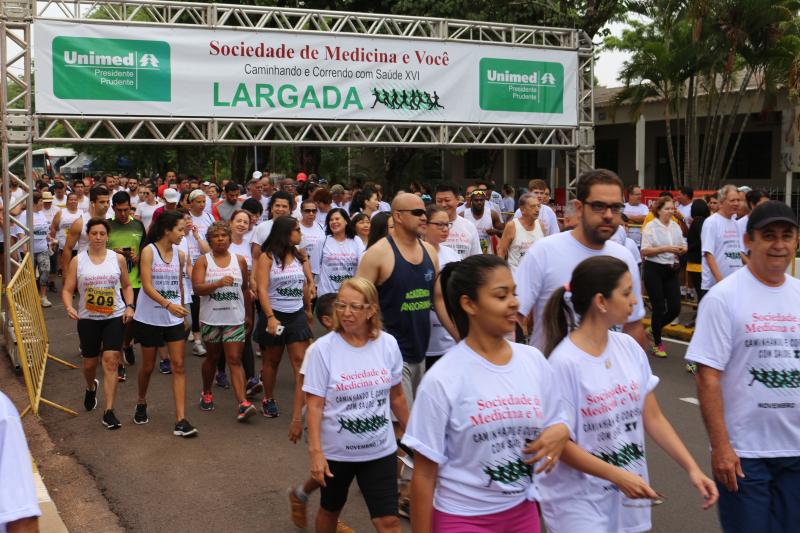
(73, 501)
(678, 332)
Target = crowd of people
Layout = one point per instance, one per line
(485, 362)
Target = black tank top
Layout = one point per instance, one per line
(406, 299)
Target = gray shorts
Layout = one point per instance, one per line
(42, 262)
(412, 376)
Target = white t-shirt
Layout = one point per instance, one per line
(473, 418)
(549, 265)
(83, 203)
(355, 382)
(440, 340)
(720, 236)
(261, 232)
(548, 218)
(686, 211)
(311, 238)
(17, 489)
(656, 234)
(639, 210)
(145, 212)
(483, 225)
(741, 223)
(633, 248)
(244, 249)
(751, 333)
(463, 238)
(603, 398)
(335, 261)
(41, 228)
(202, 223)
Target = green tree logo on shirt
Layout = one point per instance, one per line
(358, 426)
(627, 454)
(776, 379)
(508, 472)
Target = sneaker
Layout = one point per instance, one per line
(140, 415)
(254, 387)
(246, 410)
(659, 350)
(45, 302)
(206, 401)
(675, 321)
(90, 397)
(298, 510)
(122, 375)
(184, 429)
(222, 380)
(198, 349)
(341, 527)
(691, 368)
(404, 507)
(110, 421)
(130, 357)
(269, 408)
(165, 367)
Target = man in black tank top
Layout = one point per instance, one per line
(404, 269)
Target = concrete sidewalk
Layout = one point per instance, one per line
(50, 521)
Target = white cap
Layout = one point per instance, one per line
(257, 175)
(171, 196)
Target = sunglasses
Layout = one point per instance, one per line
(309, 210)
(414, 212)
(478, 193)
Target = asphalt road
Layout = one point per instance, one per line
(234, 477)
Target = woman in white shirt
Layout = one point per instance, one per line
(607, 390)
(147, 206)
(484, 414)
(353, 380)
(662, 245)
(336, 258)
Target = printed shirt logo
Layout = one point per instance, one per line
(111, 69)
(521, 86)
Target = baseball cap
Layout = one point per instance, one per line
(206, 183)
(47, 196)
(744, 189)
(301, 176)
(171, 196)
(257, 175)
(769, 212)
(337, 189)
(195, 193)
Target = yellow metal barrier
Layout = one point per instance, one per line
(31, 335)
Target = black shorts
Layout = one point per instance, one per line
(98, 336)
(377, 480)
(54, 259)
(295, 329)
(150, 336)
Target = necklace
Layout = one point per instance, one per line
(608, 363)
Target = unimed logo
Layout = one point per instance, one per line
(521, 86)
(111, 69)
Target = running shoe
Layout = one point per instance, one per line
(254, 386)
(110, 421)
(659, 350)
(222, 380)
(206, 401)
(341, 527)
(404, 507)
(198, 349)
(297, 508)
(90, 397)
(140, 415)
(691, 368)
(122, 375)
(130, 357)
(269, 408)
(184, 429)
(165, 367)
(246, 410)
(45, 302)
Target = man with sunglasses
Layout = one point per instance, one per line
(486, 221)
(549, 264)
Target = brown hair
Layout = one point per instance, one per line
(594, 177)
(659, 205)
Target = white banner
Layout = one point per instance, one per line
(95, 69)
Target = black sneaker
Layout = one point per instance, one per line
(206, 401)
(122, 376)
(90, 397)
(130, 357)
(110, 421)
(165, 366)
(140, 416)
(184, 429)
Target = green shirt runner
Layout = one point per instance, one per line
(128, 235)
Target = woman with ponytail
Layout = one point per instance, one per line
(485, 416)
(607, 387)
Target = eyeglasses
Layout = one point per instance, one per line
(442, 225)
(414, 212)
(309, 210)
(601, 207)
(342, 306)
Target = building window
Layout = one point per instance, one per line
(606, 154)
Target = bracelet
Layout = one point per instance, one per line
(297, 419)
(270, 316)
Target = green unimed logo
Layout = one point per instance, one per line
(521, 86)
(111, 69)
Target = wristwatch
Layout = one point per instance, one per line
(132, 306)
